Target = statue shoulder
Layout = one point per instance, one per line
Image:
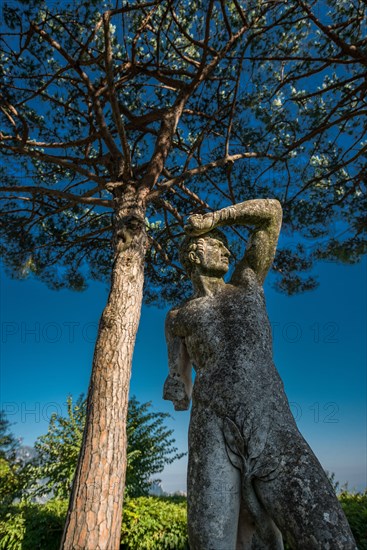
(172, 313)
(171, 318)
(177, 319)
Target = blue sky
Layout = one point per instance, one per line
(47, 340)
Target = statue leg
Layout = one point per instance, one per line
(301, 500)
(214, 487)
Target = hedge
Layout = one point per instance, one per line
(154, 523)
(149, 523)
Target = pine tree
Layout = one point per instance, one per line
(118, 119)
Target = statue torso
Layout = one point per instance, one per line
(228, 338)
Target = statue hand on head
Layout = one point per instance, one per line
(197, 224)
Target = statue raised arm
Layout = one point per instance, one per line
(264, 216)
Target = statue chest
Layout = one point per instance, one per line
(230, 326)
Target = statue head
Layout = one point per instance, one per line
(205, 254)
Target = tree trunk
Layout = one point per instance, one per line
(95, 509)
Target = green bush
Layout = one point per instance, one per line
(12, 529)
(149, 523)
(27, 526)
(154, 523)
(355, 508)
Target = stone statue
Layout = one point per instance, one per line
(253, 481)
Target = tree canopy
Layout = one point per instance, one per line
(205, 103)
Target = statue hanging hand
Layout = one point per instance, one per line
(197, 224)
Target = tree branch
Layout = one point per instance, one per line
(350, 50)
(54, 160)
(127, 170)
(33, 190)
(205, 168)
(91, 90)
(170, 121)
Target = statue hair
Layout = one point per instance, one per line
(196, 244)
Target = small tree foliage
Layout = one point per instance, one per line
(11, 467)
(8, 442)
(57, 452)
(150, 448)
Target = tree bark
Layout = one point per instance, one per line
(95, 509)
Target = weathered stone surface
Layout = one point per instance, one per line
(253, 481)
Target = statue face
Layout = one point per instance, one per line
(213, 258)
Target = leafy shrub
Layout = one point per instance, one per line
(355, 508)
(149, 523)
(28, 526)
(12, 529)
(154, 523)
